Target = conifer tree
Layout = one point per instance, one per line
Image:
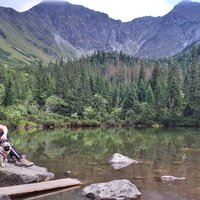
(174, 91)
(149, 98)
(130, 101)
(194, 84)
(141, 85)
(159, 89)
(9, 97)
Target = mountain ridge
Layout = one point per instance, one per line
(51, 30)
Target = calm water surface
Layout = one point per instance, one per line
(85, 153)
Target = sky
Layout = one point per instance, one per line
(124, 10)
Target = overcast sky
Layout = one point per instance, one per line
(125, 10)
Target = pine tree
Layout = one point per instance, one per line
(141, 85)
(174, 91)
(158, 85)
(130, 100)
(149, 98)
(194, 89)
(9, 97)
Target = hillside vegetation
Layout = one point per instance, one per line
(105, 88)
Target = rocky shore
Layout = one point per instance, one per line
(14, 175)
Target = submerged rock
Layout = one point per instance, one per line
(115, 190)
(171, 178)
(14, 175)
(119, 161)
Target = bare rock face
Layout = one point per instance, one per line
(146, 37)
(119, 161)
(113, 190)
(14, 175)
(70, 31)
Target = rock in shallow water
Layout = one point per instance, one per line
(14, 175)
(115, 190)
(119, 161)
(171, 178)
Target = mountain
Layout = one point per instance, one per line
(52, 30)
(175, 31)
(26, 37)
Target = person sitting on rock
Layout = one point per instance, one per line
(19, 159)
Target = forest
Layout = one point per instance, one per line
(106, 88)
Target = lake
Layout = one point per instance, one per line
(85, 153)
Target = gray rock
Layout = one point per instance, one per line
(4, 197)
(14, 175)
(119, 161)
(115, 190)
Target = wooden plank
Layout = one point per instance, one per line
(49, 194)
(39, 187)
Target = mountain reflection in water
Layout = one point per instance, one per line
(85, 153)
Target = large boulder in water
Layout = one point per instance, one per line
(119, 161)
(115, 190)
(14, 175)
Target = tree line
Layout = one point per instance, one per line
(104, 88)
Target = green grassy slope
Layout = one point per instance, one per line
(17, 46)
(21, 41)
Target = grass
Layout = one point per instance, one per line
(18, 46)
(21, 46)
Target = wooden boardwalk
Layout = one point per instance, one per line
(25, 189)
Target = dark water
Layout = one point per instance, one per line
(85, 153)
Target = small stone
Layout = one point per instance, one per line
(171, 178)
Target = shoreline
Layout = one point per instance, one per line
(98, 125)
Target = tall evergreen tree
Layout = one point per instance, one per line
(158, 84)
(149, 98)
(141, 85)
(9, 97)
(130, 102)
(174, 91)
(194, 87)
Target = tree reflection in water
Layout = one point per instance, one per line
(85, 152)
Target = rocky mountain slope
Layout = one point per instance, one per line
(52, 30)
